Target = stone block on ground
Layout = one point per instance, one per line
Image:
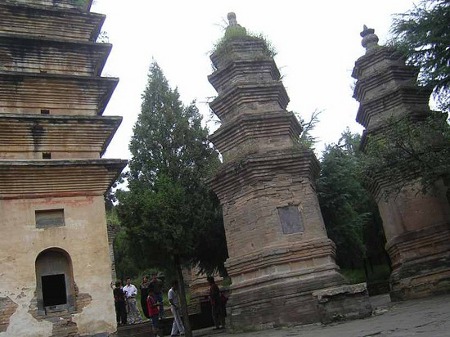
(343, 303)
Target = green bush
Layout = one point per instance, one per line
(379, 273)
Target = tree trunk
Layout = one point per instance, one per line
(183, 302)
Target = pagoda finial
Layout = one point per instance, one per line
(370, 39)
(233, 27)
(232, 19)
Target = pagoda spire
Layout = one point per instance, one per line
(369, 38)
(232, 19)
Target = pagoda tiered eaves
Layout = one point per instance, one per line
(379, 59)
(46, 178)
(249, 133)
(410, 99)
(258, 168)
(51, 23)
(392, 78)
(80, 5)
(244, 71)
(38, 55)
(262, 96)
(28, 136)
(61, 94)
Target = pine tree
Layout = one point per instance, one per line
(423, 35)
(168, 210)
(350, 213)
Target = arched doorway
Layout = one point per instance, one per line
(54, 281)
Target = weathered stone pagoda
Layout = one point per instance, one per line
(54, 252)
(417, 225)
(279, 252)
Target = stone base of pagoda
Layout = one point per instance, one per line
(283, 293)
(421, 263)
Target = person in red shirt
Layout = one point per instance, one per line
(153, 309)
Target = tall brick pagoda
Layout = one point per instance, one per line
(279, 252)
(54, 256)
(417, 225)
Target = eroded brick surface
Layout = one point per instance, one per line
(7, 309)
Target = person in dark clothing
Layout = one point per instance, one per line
(157, 285)
(144, 293)
(215, 299)
(120, 304)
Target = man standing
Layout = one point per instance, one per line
(119, 303)
(177, 326)
(216, 304)
(130, 293)
(157, 285)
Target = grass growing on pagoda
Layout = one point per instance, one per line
(233, 33)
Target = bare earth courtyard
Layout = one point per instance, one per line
(428, 317)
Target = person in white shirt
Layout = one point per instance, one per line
(133, 312)
(177, 326)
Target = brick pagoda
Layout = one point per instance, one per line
(279, 252)
(54, 256)
(417, 225)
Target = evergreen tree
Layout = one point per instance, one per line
(409, 150)
(350, 214)
(423, 35)
(169, 212)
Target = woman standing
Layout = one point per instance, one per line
(144, 293)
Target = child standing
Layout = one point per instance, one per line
(153, 309)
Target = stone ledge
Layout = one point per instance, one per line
(324, 295)
(343, 303)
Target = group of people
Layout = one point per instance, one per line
(216, 298)
(125, 303)
(152, 303)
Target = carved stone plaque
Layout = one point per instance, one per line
(290, 219)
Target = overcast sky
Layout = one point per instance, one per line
(317, 44)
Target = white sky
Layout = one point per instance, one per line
(317, 44)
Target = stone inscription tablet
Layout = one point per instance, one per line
(290, 219)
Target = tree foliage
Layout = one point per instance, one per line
(423, 35)
(350, 214)
(168, 210)
(306, 139)
(407, 150)
(169, 213)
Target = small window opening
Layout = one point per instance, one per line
(49, 218)
(46, 155)
(45, 112)
(54, 290)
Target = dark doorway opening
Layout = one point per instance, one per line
(54, 290)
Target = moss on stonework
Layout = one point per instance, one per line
(79, 3)
(235, 33)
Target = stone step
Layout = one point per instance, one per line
(197, 321)
(135, 330)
